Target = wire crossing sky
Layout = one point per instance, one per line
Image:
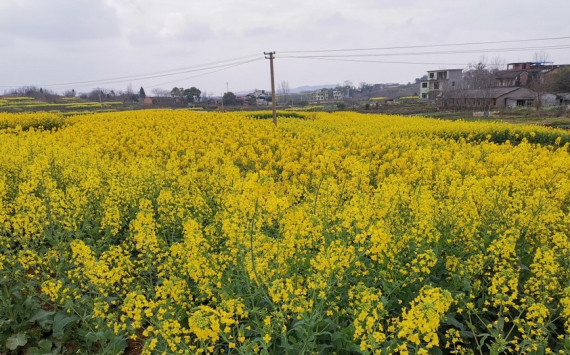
(83, 44)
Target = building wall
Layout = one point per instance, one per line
(439, 81)
(474, 102)
(321, 95)
(424, 90)
(524, 78)
(548, 100)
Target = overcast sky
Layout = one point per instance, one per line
(45, 42)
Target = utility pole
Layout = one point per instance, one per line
(273, 103)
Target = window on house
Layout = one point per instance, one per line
(494, 102)
(424, 95)
(431, 75)
(453, 83)
(424, 85)
(436, 85)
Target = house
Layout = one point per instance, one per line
(321, 95)
(241, 98)
(260, 97)
(438, 81)
(497, 97)
(337, 95)
(563, 99)
(162, 101)
(523, 73)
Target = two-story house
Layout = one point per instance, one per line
(439, 81)
(522, 74)
(337, 95)
(321, 95)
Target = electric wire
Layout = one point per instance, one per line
(182, 70)
(428, 45)
(203, 74)
(513, 49)
(372, 61)
(232, 62)
(163, 75)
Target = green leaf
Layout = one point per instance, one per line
(501, 324)
(43, 318)
(16, 340)
(59, 323)
(466, 334)
(451, 320)
(117, 345)
(45, 345)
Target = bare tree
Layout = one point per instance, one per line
(129, 90)
(284, 91)
(159, 92)
(69, 93)
(480, 76)
(541, 82)
(541, 56)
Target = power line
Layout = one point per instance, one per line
(428, 45)
(371, 61)
(164, 75)
(147, 75)
(214, 71)
(342, 57)
(515, 49)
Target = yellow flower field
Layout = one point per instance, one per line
(178, 232)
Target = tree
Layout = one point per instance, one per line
(97, 94)
(142, 94)
(541, 56)
(69, 93)
(177, 92)
(541, 85)
(229, 98)
(561, 80)
(542, 82)
(419, 80)
(284, 91)
(365, 87)
(158, 92)
(479, 76)
(192, 94)
(129, 92)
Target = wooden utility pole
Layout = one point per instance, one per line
(273, 102)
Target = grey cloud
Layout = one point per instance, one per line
(195, 32)
(259, 31)
(46, 40)
(58, 20)
(192, 33)
(142, 37)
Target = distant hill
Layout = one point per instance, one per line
(312, 88)
(389, 90)
(294, 90)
